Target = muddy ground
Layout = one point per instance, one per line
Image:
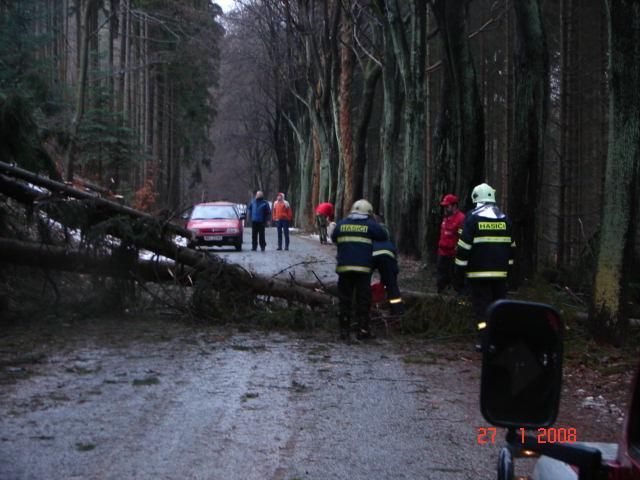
(146, 396)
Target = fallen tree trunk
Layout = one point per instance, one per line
(61, 188)
(191, 266)
(53, 257)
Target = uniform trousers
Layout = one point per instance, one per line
(354, 293)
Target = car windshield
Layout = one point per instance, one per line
(211, 212)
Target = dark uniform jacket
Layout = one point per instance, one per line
(354, 236)
(385, 249)
(486, 247)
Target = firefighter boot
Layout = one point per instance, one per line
(345, 325)
(397, 309)
(364, 331)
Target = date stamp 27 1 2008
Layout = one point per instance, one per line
(487, 435)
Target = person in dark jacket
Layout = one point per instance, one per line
(450, 230)
(484, 254)
(354, 236)
(385, 261)
(259, 212)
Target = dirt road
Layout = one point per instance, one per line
(306, 259)
(149, 398)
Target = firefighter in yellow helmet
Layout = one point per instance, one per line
(354, 236)
(484, 253)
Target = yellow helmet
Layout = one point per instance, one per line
(363, 207)
(483, 193)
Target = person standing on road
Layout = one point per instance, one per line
(354, 236)
(485, 254)
(282, 215)
(385, 261)
(450, 230)
(259, 213)
(324, 215)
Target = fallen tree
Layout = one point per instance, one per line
(99, 218)
(57, 190)
(63, 258)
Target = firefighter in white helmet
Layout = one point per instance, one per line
(354, 236)
(484, 254)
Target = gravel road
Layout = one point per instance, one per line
(148, 398)
(138, 397)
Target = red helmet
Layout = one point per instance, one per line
(449, 199)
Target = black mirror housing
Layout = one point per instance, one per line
(521, 365)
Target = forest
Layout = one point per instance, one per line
(399, 102)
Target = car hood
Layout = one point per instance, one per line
(221, 223)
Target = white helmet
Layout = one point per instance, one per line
(483, 193)
(363, 207)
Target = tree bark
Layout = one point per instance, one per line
(409, 44)
(608, 312)
(81, 88)
(459, 133)
(531, 106)
(344, 104)
(55, 257)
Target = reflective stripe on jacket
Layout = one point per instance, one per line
(384, 248)
(354, 236)
(486, 248)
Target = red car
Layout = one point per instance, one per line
(216, 224)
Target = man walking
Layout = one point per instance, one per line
(354, 236)
(485, 253)
(450, 230)
(282, 215)
(259, 213)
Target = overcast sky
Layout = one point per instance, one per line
(225, 4)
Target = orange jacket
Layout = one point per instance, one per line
(282, 211)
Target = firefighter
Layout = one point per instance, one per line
(450, 230)
(484, 254)
(354, 236)
(385, 261)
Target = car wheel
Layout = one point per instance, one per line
(238, 246)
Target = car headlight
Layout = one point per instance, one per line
(194, 232)
(233, 230)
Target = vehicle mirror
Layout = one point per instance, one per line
(243, 216)
(185, 216)
(521, 365)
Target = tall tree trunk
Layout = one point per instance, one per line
(459, 133)
(81, 89)
(410, 46)
(344, 104)
(371, 73)
(619, 212)
(532, 98)
(389, 132)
